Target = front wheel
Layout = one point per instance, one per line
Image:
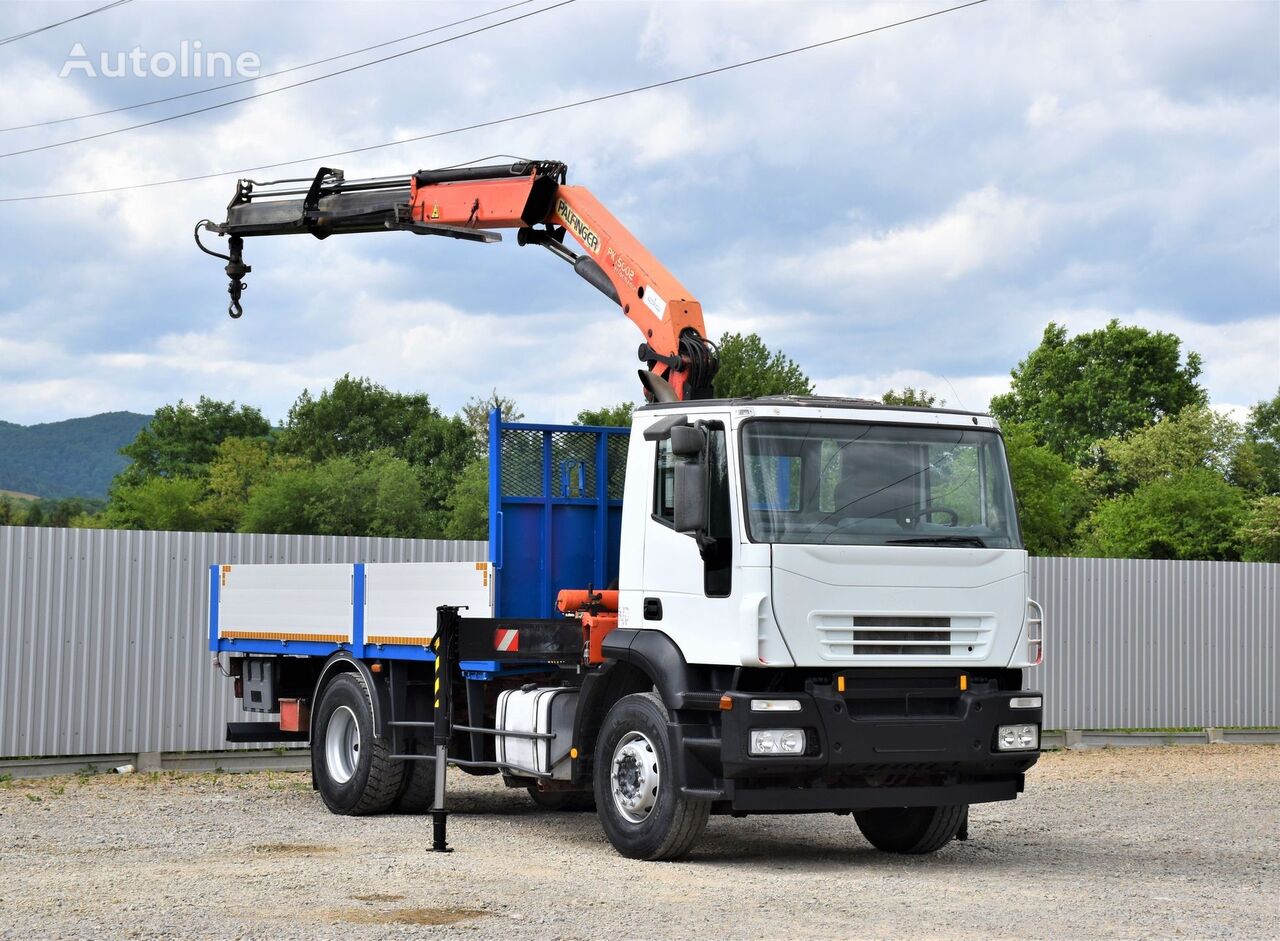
(637, 795)
(912, 830)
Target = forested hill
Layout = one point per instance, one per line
(72, 458)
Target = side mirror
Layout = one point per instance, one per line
(687, 441)
(690, 495)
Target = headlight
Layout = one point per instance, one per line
(775, 705)
(1026, 702)
(777, 741)
(1017, 737)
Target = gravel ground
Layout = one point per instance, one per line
(1125, 843)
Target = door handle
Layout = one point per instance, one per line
(653, 609)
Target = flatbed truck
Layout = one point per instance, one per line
(820, 607)
(746, 606)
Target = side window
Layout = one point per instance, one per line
(717, 558)
(664, 480)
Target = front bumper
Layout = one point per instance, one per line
(917, 747)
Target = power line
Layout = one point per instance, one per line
(274, 91)
(31, 32)
(259, 78)
(507, 120)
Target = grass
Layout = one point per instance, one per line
(19, 495)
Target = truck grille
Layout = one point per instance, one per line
(903, 637)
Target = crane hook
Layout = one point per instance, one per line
(235, 268)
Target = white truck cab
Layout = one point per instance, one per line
(839, 533)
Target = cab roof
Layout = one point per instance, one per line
(807, 401)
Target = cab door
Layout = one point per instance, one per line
(689, 592)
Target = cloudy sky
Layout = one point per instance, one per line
(910, 207)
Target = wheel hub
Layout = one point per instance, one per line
(342, 745)
(635, 777)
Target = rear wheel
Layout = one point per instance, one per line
(353, 770)
(913, 830)
(417, 789)
(637, 796)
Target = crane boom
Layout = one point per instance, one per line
(471, 203)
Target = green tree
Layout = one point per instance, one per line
(182, 439)
(1101, 384)
(159, 503)
(280, 503)
(919, 398)
(1260, 533)
(238, 465)
(358, 417)
(476, 414)
(1257, 461)
(34, 516)
(468, 504)
(62, 512)
(1196, 515)
(8, 514)
(374, 494)
(1195, 437)
(609, 416)
(749, 369)
(1052, 499)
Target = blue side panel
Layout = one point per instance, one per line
(308, 647)
(555, 511)
(213, 608)
(357, 611)
(397, 652)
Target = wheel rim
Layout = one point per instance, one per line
(342, 745)
(635, 777)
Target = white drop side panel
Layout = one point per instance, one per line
(401, 598)
(286, 602)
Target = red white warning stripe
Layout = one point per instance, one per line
(506, 639)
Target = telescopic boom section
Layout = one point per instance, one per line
(470, 203)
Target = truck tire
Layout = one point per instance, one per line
(638, 798)
(353, 770)
(912, 830)
(417, 789)
(571, 801)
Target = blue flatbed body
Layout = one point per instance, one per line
(555, 522)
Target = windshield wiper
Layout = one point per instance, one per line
(975, 541)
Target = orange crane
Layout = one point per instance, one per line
(470, 203)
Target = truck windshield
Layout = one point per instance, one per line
(854, 483)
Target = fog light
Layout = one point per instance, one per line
(777, 741)
(1025, 702)
(1017, 737)
(775, 705)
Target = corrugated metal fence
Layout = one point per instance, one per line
(103, 643)
(103, 637)
(1137, 643)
